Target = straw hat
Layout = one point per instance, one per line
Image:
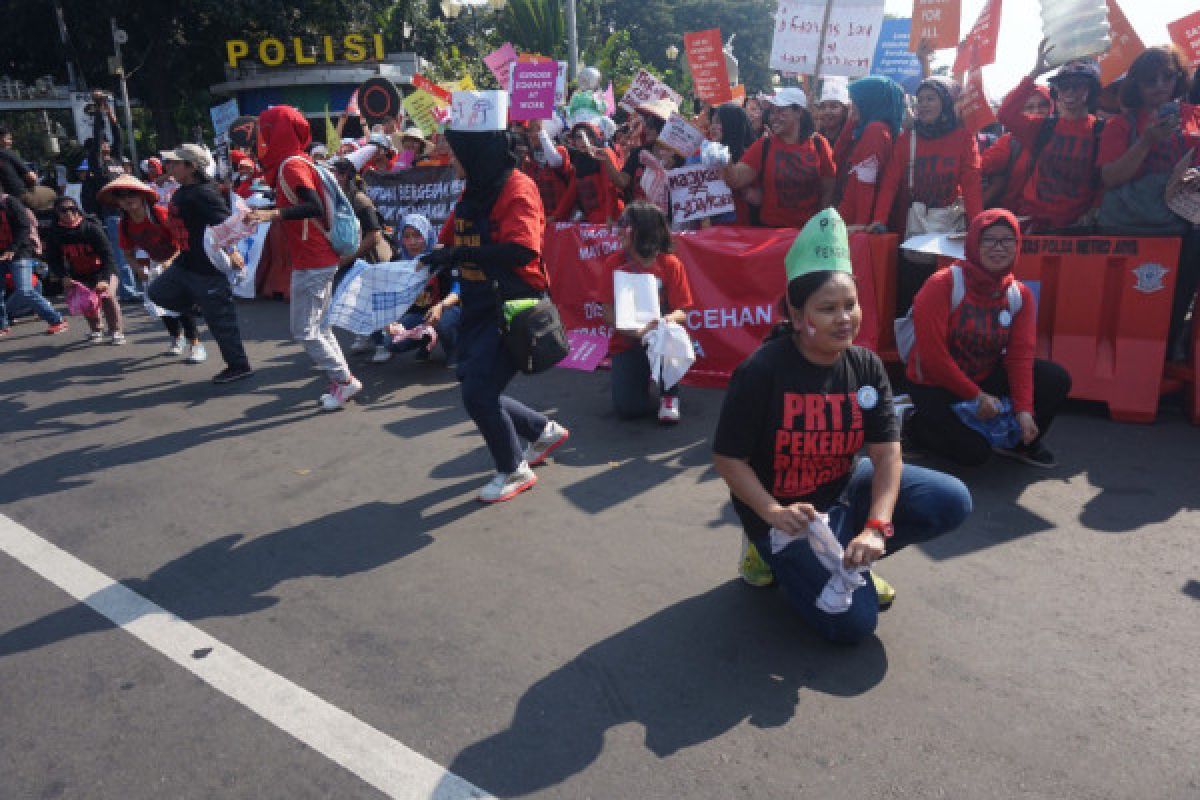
(126, 183)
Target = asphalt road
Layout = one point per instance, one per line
(587, 640)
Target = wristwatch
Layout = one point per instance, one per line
(886, 530)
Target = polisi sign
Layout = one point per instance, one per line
(273, 52)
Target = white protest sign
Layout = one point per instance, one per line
(697, 192)
(479, 111)
(681, 136)
(850, 37)
(645, 88)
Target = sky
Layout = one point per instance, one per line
(1021, 31)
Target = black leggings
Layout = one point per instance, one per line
(1185, 287)
(936, 428)
(184, 323)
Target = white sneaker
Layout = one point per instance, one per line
(552, 436)
(118, 338)
(668, 410)
(195, 354)
(177, 345)
(382, 354)
(361, 344)
(335, 399)
(95, 337)
(505, 487)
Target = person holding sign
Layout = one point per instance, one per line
(493, 243)
(591, 192)
(797, 412)
(646, 238)
(548, 164)
(876, 113)
(652, 117)
(793, 167)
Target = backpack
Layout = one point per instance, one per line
(905, 329)
(35, 238)
(339, 223)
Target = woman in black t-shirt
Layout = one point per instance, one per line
(796, 413)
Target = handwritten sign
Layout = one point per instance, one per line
(498, 60)
(1185, 33)
(533, 90)
(892, 58)
(479, 111)
(849, 41)
(427, 111)
(697, 192)
(1126, 45)
(644, 89)
(979, 48)
(681, 136)
(937, 21)
(706, 60)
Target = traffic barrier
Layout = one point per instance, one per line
(1186, 377)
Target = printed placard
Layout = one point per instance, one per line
(849, 42)
(979, 48)
(706, 60)
(645, 88)
(533, 90)
(892, 57)
(681, 136)
(498, 60)
(938, 21)
(1126, 46)
(973, 106)
(223, 117)
(587, 350)
(1185, 33)
(479, 111)
(697, 192)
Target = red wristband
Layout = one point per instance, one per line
(885, 528)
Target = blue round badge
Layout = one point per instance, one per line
(868, 397)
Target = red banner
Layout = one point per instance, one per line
(937, 22)
(973, 106)
(1185, 33)
(706, 59)
(736, 276)
(979, 48)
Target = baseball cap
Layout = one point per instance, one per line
(789, 96)
(192, 154)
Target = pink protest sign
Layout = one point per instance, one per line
(533, 90)
(587, 351)
(498, 61)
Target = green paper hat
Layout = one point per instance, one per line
(822, 245)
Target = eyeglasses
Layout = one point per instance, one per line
(995, 243)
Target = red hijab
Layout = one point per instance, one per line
(283, 132)
(978, 277)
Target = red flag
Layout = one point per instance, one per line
(979, 48)
(973, 106)
(936, 21)
(1185, 32)
(1126, 46)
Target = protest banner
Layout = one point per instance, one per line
(1126, 46)
(973, 106)
(698, 192)
(847, 46)
(533, 90)
(979, 48)
(223, 117)
(706, 60)
(425, 110)
(892, 57)
(681, 136)
(936, 21)
(645, 88)
(1185, 33)
(429, 191)
(426, 85)
(498, 60)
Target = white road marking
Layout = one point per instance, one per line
(373, 756)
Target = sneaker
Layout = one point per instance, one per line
(505, 487)
(5, 331)
(668, 410)
(61, 327)
(94, 337)
(361, 344)
(884, 591)
(118, 338)
(552, 436)
(177, 345)
(231, 374)
(335, 399)
(1035, 455)
(381, 356)
(752, 568)
(195, 353)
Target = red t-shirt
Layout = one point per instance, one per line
(307, 244)
(595, 195)
(996, 161)
(151, 234)
(674, 291)
(945, 168)
(790, 179)
(1118, 137)
(862, 172)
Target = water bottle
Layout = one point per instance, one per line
(1076, 28)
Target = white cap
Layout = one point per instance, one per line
(362, 156)
(789, 96)
(836, 88)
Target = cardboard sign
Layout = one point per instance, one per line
(1185, 32)
(498, 60)
(479, 111)
(973, 107)
(706, 60)
(681, 136)
(587, 350)
(979, 48)
(425, 110)
(849, 41)
(892, 57)
(378, 100)
(936, 20)
(1126, 46)
(223, 117)
(533, 90)
(426, 85)
(697, 192)
(646, 87)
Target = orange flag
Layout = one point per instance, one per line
(979, 48)
(1126, 45)
(935, 20)
(973, 107)
(1185, 32)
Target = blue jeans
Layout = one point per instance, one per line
(631, 384)
(930, 504)
(24, 296)
(128, 288)
(485, 368)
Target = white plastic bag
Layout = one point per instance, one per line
(669, 349)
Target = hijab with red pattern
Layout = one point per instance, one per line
(283, 132)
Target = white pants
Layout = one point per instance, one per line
(312, 291)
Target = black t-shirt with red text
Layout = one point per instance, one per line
(799, 424)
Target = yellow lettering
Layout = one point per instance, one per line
(271, 52)
(378, 46)
(236, 50)
(328, 41)
(300, 57)
(355, 47)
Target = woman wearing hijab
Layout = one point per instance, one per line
(283, 136)
(877, 109)
(945, 168)
(493, 243)
(1005, 165)
(974, 343)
